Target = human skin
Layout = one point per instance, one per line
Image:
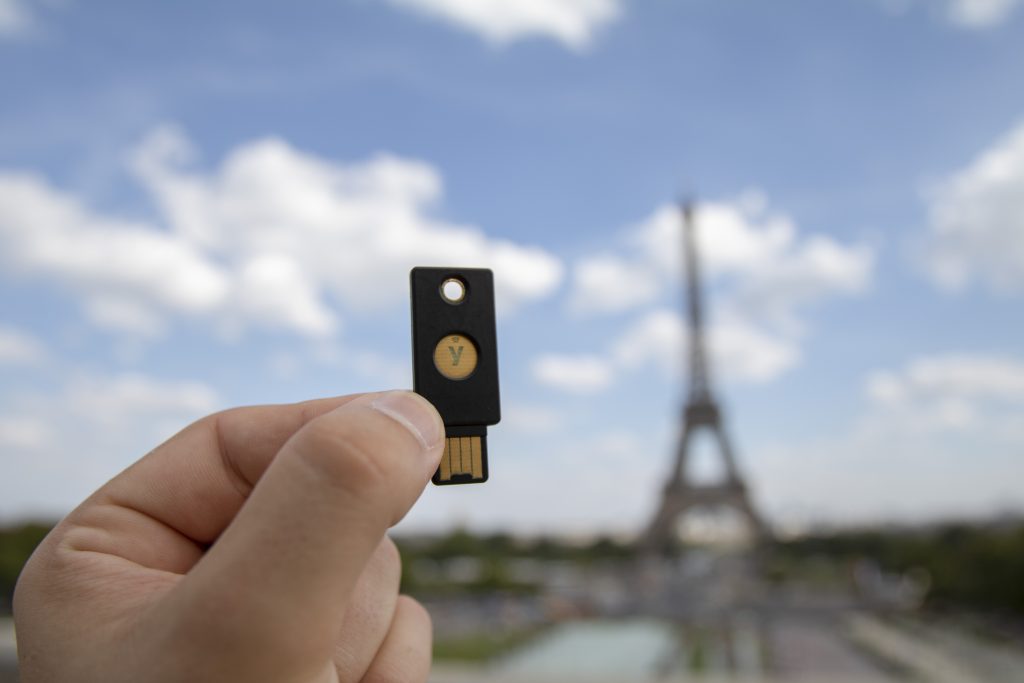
(248, 547)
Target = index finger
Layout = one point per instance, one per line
(166, 508)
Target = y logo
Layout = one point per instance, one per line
(456, 355)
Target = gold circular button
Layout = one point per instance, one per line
(455, 356)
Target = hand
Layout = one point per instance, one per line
(249, 547)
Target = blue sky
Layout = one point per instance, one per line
(211, 205)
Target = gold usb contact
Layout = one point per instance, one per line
(463, 455)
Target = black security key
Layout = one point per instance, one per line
(455, 363)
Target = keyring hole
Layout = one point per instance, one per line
(453, 290)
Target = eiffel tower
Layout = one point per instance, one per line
(680, 495)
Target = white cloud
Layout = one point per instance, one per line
(762, 272)
(820, 268)
(656, 338)
(950, 391)
(121, 397)
(19, 348)
(272, 287)
(769, 268)
(732, 237)
(966, 14)
(977, 220)
(115, 265)
(353, 231)
(271, 238)
(62, 445)
(607, 284)
(953, 392)
(577, 374)
(369, 369)
(739, 351)
(970, 376)
(22, 433)
(126, 313)
(14, 17)
(979, 14)
(531, 419)
(939, 436)
(573, 23)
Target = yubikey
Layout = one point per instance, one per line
(455, 363)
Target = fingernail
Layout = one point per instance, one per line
(413, 412)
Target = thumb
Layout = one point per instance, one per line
(277, 581)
